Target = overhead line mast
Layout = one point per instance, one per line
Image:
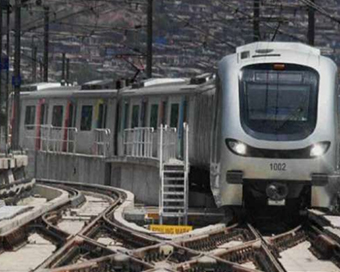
(149, 39)
(311, 25)
(17, 77)
(256, 21)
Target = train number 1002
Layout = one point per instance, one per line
(278, 167)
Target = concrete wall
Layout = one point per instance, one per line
(137, 175)
(140, 176)
(79, 168)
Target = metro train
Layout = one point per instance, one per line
(263, 130)
(275, 134)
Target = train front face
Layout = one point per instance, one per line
(276, 130)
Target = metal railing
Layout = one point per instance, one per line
(138, 142)
(102, 141)
(167, 145)
(51, 139)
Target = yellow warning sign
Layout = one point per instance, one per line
(170, 229)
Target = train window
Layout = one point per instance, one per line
(174, 115)
(86, 118)
(278, 105)
(30, 117)
(70, 116)
(135, 116)
(43, 114)
(101, 123)
(164, 112)
(143, 114)
(154, 116)
(126, 115)
(57, 116)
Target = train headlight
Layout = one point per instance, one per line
(237, 147)
(319, 149)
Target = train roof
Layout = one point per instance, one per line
(157, 86)
(39, 86)
(166, 86)
(263, 48)
(68, 91)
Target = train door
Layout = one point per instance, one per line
(174, 120)
(28, 128)
(102, 114)
(41, 120)
(143, 113)
(182, 119)
(135, 113)
(153, 121)
(85, 125)
(69, 131)
(164, 112)
(174, 107)
(124, 125)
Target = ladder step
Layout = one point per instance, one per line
(172, 200)
(173, 193)
(173, 172)
(173, 186)
(173, 179)
(173, 207)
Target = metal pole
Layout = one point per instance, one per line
(2, 60)
(46, 42)
(256, 21)
(67, 72)
(149, 40)
(311, 25)
(16, 79)
(63, 70)
(41, 71)
(34, 62)
(7, 74)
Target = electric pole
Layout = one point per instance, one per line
(63, 70)
(149, 39)
(34, 63)
(256, 21)
(46, 41)
(2, 64)
(311, 25)
(67, 72)
(16, 77)
(41, 70)
(7, 72)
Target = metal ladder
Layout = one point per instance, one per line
(174, 192)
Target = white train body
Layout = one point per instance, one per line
(277, 139)
(276, 128)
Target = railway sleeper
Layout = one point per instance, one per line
(15, 239)
(324, 247)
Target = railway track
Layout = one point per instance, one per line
(106, 244)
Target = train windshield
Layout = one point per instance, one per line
(278, 104)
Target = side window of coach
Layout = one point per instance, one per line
(154, 116)
(135, 116)
(174, 115)
(102, 112)
(29, 117)
(57, 116)
(86, 118)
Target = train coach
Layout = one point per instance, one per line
(78, 114)
(275, 132)
(263, 133)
